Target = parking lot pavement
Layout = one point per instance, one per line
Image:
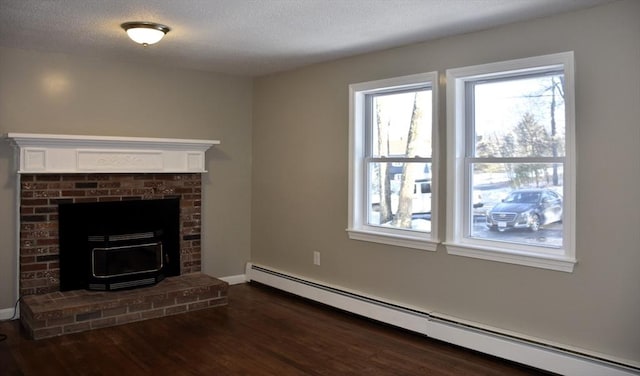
(549, 235)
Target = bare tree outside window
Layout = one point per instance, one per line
(384, 172)
(409, 171)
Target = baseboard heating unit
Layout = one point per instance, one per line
(533, 352)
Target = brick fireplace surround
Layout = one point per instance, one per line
(47, 312)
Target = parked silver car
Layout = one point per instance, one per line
(526, 208)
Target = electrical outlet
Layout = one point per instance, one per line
(316, 258)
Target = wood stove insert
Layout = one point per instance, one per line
(117, 245)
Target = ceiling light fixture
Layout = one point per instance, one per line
(145, 33)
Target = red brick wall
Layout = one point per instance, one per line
(41, 193)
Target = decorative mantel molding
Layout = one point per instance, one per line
(49, 153)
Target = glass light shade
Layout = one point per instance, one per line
(145, 36)
(145, 33)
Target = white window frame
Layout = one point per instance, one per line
(358, 229)
(458, 241)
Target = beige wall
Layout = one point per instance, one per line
(57, 93)
(299, 186)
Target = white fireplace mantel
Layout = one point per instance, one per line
(52, 153)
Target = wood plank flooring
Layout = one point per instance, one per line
(261, 332)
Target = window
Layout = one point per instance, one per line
(511, 176)
(392, 173)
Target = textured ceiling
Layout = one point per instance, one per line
(254, 37)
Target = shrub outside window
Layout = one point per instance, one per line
(511, 173)
(392, 190)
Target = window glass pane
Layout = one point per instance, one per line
(520, 117)
(518, 203)
(401, 124)
(400, 195)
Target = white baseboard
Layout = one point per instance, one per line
(234, 279)
(494, 341)
(6, 314)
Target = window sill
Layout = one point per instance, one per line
(551, 262)
(400, 240)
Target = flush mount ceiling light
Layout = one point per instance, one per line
(145, 33)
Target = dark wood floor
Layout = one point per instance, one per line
(261, 332)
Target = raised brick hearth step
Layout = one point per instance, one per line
(58, 313)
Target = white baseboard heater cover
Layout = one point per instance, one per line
(492, 341)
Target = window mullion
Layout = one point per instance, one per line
(399, 159)
(515, 159)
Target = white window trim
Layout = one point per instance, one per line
(357, 226)
(456, 243)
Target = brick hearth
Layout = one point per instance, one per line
(57, 313)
